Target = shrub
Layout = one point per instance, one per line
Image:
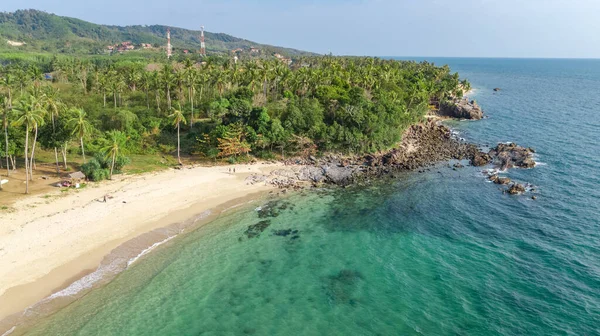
(98, 168)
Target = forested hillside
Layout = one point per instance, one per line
(44, 32)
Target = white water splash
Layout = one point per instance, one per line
(148, 250)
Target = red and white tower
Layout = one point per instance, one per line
(202, 43)
(169, 47)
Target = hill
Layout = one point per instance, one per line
(34, 30)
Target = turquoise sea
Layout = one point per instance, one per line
(436, 253)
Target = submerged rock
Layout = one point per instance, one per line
(340, 287)
(269, 210)
(283, 233)
(255, 230)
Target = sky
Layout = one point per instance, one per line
(451, 28)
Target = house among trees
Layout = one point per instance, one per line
(120, 47)
(282, 58)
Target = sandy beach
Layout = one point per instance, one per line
(50, 241)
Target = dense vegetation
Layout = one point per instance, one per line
(217, 109)
(44, 32)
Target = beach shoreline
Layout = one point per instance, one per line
(47, 248)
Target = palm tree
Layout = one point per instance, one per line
(117, 85)
(103, 85)
(7, 81)
(38, 101)
(191, 78)
(80, 126)
(178, 118)
(35, 73)
(115, 145)
(156, 85)
(30, 115)
(134, 77)
(168, 79)
(146, 83)
(5, 106)
(53, 106)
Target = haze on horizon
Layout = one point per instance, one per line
(467, 28)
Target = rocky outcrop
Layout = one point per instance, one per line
(461, 109)
(422, 145)
(500, 180)
(341, 176)
(507, 156)
(516, 189)
(481, 159)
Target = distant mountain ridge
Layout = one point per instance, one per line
(42, 31)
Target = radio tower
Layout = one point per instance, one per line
(169, 47)
(202, 43)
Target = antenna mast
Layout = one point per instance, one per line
(169, 47)
(202, 42)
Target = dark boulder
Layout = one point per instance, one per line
(481, 159)
(500, 180)
(462, 109)
(516, 189)
(341, 176)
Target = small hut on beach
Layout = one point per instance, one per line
(78, 176)
(75, 179)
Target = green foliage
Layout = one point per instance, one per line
(98, 168)
(43, 31)
(255, 107)
(94, 171)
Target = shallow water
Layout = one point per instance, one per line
(438, 253)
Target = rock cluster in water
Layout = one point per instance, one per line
(512, 155)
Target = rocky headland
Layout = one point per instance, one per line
(461, 109)
(422, 145)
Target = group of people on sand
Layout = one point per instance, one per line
(230, 170)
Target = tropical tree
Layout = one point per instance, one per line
(80, 126)
(30, 114)
(178, 118)
(53, 106)
(114, 147)
(191, 78)
(167, 78)
(5, 106)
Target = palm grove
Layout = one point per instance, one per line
(104, 108)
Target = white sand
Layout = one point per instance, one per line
(46, 234)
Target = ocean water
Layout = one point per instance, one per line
(436, 253)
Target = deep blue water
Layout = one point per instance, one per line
(440, 253)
